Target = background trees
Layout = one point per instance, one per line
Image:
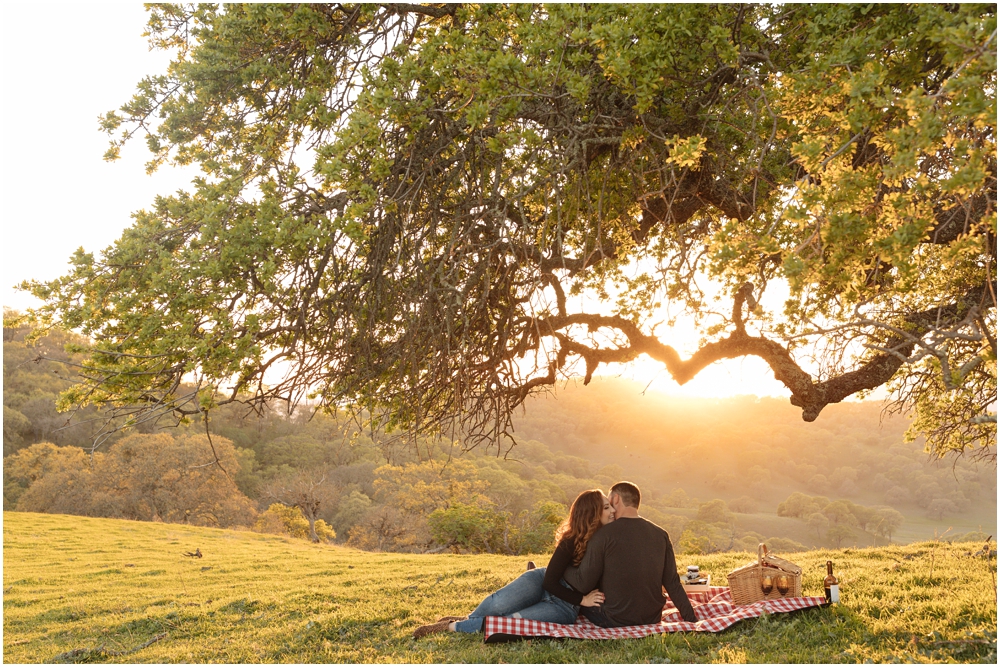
(675, 448)
(401, 202)
(143, 477)
(33, 378)
(56, 465)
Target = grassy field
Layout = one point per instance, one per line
(96, 590)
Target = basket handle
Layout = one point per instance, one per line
(761, 554)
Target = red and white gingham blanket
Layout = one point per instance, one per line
(714, 608)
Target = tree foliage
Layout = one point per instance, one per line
(400, 206)
(285, 520)
(31, 390)
(141, 477)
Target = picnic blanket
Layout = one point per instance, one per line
(714, 609)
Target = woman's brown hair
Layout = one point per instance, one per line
(583, 521)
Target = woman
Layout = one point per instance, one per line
(541, 594)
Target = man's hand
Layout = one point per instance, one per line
(592, 599)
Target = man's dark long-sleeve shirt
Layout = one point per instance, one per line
(634, 558)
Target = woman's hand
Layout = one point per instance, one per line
(592, 599)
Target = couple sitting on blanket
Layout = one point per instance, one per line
(603, 541)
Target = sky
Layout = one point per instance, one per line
(59, 194)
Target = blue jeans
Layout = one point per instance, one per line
(522, 598)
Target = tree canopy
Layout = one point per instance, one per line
(429, 212)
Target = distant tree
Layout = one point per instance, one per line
(476, 528)
(897, 495)
(709, 537)
(840, 512)
(961, 501)
(847, 488)
(880, 482)
(804, 472)
(819, 483)
(843, 474)
(889, 522)
(749, 541)
(783, 544)
(925, 490)
(865, 517)
(537, 530)
(58, 480)
(672, 523)
(694, 543)
(420, 488)
(350, 510)
(284, 520)
(358, 476)
(308, 492)
(818, 522)
(723, 481)
(714, 511)
(293, 451)
(612, 473)
(838, 533)
(24, 468)
(385, 528)
(758, 478)
(175, 480)
(795, 505)
(743, 505)
(941, 507)
(508, 491)
(247, 475)
(679, 498)
(15, 424)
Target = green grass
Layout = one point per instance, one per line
(80, 589)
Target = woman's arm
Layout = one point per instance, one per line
(561, 559)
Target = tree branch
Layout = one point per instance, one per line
(811, 396)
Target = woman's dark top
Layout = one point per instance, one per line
(561, 559)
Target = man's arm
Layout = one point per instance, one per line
(675, 589)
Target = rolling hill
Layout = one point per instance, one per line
(102, 590)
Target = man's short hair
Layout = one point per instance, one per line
(628, 492)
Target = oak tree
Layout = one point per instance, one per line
(429, 212)
(308, 492)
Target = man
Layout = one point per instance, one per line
(633, 559)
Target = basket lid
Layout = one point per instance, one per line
(782, 564)
(766, 559)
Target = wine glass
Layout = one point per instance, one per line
(782, 584)
(766, 585)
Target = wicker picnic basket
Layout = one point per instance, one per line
(744, 582)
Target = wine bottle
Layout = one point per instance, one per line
(830, 585)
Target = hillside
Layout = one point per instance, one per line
(760, 447)
(83, 589)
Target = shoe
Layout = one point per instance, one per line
(424, 630)
(531, 565)
(450, 619)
